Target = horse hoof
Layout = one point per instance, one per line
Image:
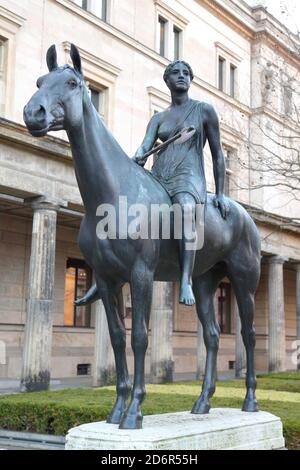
(186, 296)
(250, 405)
(115, 417)
(200, 408)
(131, 421)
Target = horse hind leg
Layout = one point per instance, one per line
(141, 297)
(205, 287)
(111, 299)
(244, 278)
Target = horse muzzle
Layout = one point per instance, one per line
(39, 122)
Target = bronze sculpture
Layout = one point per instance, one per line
(103, 171)
(180, 169)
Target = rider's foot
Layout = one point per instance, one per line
(186, 295)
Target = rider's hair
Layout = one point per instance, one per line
(172, 64)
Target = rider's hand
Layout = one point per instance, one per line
(139, 160)
(221, 203)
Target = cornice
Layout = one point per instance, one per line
(12, 21)
(225, 49)
(281, 119)
(255, 23)
(268, 218)
(170, 13)
(290, 56)
(153, 91)
(222, 96)
(96, 61)
(112, 31)
(18, 135)
(233, 17)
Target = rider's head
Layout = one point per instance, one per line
(170, 67)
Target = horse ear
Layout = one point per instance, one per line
(75, 56)
(51, 58)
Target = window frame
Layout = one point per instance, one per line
(221, 75)
(158, 102)
(94, 7)
(173, 20)
(97, 87)
(230, 61)
(10, 23)
(3, 74)
(79, 264)
(100, 75)
(232, 83)
(177, 48)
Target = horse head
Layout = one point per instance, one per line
(58, 103)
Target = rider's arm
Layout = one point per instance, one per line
(212, 131)
(149, 139)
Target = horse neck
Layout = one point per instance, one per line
(99, 161)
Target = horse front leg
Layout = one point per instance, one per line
(204, 290)
(117, 333)
(141, 298)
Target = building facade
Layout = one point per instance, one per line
(246, 65)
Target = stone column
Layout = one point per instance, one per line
(104, 371)
(277, 346)
(38, 328)
(162, 364)
(298, 308)
(240, 352)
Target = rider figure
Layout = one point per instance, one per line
(180, 168)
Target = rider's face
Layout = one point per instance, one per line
(179, 78)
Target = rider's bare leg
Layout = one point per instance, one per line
(187, 246)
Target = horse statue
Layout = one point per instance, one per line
(104, 173)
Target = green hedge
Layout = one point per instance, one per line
(56, 412)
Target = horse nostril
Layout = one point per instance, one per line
(39, 113)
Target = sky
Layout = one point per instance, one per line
(287, 11)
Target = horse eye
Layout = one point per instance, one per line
(72, 83)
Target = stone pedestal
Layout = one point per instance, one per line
(162, 364)
(38, 327)
(221, 429)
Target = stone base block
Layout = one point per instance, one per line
(222, 428)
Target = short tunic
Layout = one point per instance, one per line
(179, 167)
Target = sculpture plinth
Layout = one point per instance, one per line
(222, 429)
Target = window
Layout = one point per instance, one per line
(162, 35)
(228, 155)
(221, 69)
(98, 98)
(287, 99)
(77, 282)
(84, 369)
(227, 70)
(100, 80)
(232, 80)
(224, 307)
(96, 7)
(159, 101)
(177, 43)
(170, 29)
(2, 76)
